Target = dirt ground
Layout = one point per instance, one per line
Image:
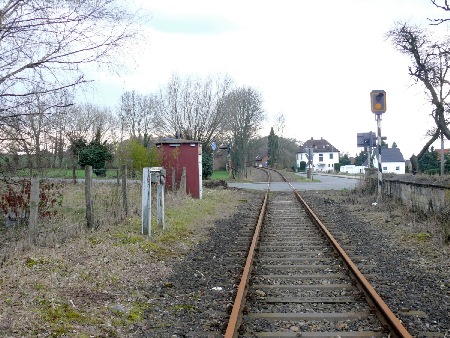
(113, 284)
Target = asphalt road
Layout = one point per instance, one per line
(327, 182)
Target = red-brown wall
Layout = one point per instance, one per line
(179, 154)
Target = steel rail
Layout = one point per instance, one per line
(393, 322)
(236, 314)
(235, 320)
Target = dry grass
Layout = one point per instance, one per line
(92, 283)
(429, 232)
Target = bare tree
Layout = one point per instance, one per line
(442, 4)
(84, 120)
(129, 114)
(243, 107)
(136, 114)
(46, 43)
(30, 130)
(148, 106)
(287, 151)
(193, 107)
(280, 124)
(430, 66)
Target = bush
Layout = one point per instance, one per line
(15, 202)
(100, 172)
(337, 167)
(207, 165)
(302, 166)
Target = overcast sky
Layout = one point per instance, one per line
(315, 62)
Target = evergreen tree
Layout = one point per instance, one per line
(345, 160)
(95, 154)
(429, 162)
(361, 158)
(207, 165)
(273, 147)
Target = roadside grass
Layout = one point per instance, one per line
(82, 282)
(67, 173)
(220, 175)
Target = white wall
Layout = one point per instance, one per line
(390, 167)
(320, 163)
(393, 167)
(353, 169)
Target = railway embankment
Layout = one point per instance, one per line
(426, 195)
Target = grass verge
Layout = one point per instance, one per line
(91, 283)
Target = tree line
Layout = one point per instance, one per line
(46, 50)
(207, 110)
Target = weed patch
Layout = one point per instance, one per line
(422, 236)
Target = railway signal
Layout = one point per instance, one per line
(378, 101)
(378, 105)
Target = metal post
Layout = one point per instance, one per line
(378, 106)
(158, 199)
(442, 154)
(380, 168)
(146, 202)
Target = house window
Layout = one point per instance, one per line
(331, 156)
(384, 168)
(320, 157)
(397, 168)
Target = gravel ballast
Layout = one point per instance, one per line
(410, 274)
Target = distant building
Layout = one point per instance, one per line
(392, 161)
(446, 152)
(261, 160)
(353, 169)
(325, 155)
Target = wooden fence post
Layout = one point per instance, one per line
(74, 174)
(124, 191)
(34, 210)
(89, 198)
(183, 181)
(174, 188)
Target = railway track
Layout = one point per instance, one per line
(298, 281)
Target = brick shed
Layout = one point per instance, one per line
(177, 154)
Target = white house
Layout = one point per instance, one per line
(392, 161)
(325, 155)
